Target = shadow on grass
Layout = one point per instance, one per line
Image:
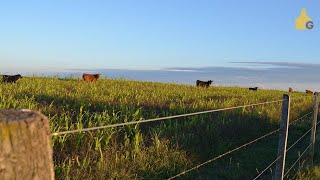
(202, 136)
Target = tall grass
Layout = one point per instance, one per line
(153, 150)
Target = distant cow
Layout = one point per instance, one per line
(309, 91)
(204, 83)
(290, 89)
(11, 79)
(253, 89)
(90, 77)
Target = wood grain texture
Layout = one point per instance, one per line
(25, 146)
(314, 126)
(283, 138)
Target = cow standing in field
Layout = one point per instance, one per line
(253, 89)
(11, 79)
(204, 83)
(90, 77)
(309, 91)
(290, 89)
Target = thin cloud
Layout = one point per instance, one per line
(282, 64)
(242, 77)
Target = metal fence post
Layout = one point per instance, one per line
(283, 136)
(314, 126)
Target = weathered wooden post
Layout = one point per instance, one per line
(283, 136)
(314, 126)
(25, 146)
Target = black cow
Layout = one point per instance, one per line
(204, 83)
(11, 79)
(253, 89)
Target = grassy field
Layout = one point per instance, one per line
(156, 150)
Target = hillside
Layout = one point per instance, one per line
(161, 149)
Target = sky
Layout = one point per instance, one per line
(144, 34)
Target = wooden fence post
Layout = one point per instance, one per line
(25, 146)
(283, 136)
(314, 126)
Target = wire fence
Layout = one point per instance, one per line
(269, 166)
(288, 149)
(224, 154)
(298, 119)
(159, 119)
(240, 147)
(302, 152)
(297, 160)
(198, 113)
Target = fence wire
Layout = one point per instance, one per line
(297, 160)
(193, 114)
(238, 148)
(262, 172)
(287, 149)
(300, 155)
(159, 119)
(296, 120)
(224, 154)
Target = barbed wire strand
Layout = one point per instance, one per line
(301, 117)
(159, 119)
(297, 160)
(267, 168)
(299, 157)
(224, 154)
(300, 138)
(297, 173)
(184, 115)
(287, 149)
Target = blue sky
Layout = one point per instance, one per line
(154, 34)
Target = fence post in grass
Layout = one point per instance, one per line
(25, 146)
(283, 136)
(314, 126)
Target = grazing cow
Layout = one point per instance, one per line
(253, 89)
(290, 89)
(204, 83)
(309, 91)
(11, 79)
(90, 77)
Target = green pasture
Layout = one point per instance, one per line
(161, 149)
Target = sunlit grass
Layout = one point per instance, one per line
(309, 174)
(149, 151)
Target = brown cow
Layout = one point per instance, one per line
(290, 89)
(309, 91)
(90, 77)
(11, 79)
